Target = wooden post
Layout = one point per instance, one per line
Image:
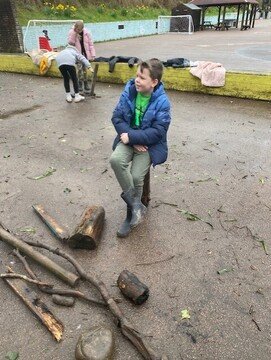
(146, 190)
(94, 79)
(87, 234)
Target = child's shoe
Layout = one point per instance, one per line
(68, 98)
(78, 98)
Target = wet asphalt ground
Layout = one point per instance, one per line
(218, 267)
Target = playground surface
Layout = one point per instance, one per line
(217, 268)
(248, 51)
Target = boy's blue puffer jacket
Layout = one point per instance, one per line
(155, 121)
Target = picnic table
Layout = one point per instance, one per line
(222, 26)
(208, 25)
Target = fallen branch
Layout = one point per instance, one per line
(53, 291)
(37, 307)
(127, 328)
(63, 274)
(25, 278)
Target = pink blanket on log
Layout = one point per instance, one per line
(210, 73)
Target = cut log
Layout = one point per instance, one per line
(132, 288)
(38, 307)
(87, 234)
(59, 231)
(56, 269)
(145, 199)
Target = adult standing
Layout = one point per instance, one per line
(81, 37)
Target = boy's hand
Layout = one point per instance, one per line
(124, 138)
(141, 148)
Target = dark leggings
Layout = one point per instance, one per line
(69, 72)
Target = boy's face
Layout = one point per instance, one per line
(143, 82)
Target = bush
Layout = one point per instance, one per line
(124, 12)
(59, 10)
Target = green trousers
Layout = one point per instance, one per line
(130, 167)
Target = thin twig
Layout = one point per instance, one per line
(255, 322)
(25, 278)
(156, 261)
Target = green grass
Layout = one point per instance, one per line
(91, 13)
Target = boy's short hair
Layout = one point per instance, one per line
(154, 66)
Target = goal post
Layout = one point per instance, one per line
(178, 24)
(57, 31)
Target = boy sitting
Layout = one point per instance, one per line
(141, 119)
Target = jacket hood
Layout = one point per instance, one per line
(71, 47)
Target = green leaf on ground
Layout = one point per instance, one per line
(28, 229)
(264, 246)
(193, 217)
(223, 271)
(49, 172)
(12, 355)
(185, 314)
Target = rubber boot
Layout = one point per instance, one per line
(125, 227)
(87, 89)
(133, 200)
(80, 84)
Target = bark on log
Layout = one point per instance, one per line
(132, 288)
(58, 230)
(87, 234)
(56, 269)
(146, 190)
(38, 307)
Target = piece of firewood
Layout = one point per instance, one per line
(58, 230)
(50, 265)
(87, 234)
(132, 288)
(38, 307)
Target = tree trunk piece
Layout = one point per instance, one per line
(56, 269)
(132, 288)
(87, 234)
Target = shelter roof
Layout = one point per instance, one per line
(221, 2)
